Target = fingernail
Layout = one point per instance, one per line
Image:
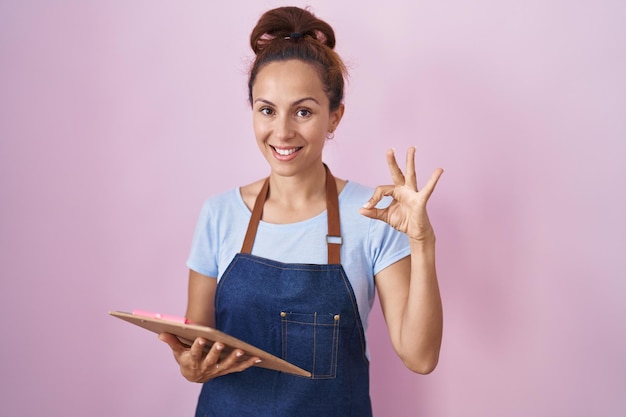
(219, 346)
(257, 361)
(201, 342)
(239, 354)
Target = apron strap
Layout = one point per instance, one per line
(255, 218)
(333, 238)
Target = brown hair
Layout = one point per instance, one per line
(293, 33)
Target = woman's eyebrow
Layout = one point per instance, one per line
(295, 103)
(262, 100)
(302, 100)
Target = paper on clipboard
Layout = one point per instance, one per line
(187, 333)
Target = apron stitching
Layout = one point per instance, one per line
(357, 316)
(314, 342)
(220, 285)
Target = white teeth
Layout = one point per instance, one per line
(285, 152)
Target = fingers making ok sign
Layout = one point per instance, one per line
(407, 211)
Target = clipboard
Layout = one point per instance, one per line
(187, 333)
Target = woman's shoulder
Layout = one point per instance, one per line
(226, 202)
(249, 192)
(354, 192)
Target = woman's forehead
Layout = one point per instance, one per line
(288, 81)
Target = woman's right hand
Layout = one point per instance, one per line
(196, 366)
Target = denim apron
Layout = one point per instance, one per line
(304, 313)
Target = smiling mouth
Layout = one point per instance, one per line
(285, 151)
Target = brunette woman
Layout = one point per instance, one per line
(290, 263)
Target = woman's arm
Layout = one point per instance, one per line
(410, 301)
(200, 297)
(408, 290)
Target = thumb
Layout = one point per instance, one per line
(172, 341)
(373, 213)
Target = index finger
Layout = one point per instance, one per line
(197, 349)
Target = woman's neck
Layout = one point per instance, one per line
(300, 190)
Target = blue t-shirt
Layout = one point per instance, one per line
(369, 246)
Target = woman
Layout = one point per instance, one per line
(296, 277)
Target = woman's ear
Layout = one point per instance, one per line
(335, 117)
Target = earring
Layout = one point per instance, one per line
(330, 135)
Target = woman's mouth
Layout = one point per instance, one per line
(285, 151)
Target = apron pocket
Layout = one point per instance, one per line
(310, 341)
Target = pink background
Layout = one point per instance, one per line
(118, 118)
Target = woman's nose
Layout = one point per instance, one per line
(284, 128)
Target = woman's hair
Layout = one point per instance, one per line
(289, 33)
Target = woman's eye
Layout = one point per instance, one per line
(267, 111)
(303, 113)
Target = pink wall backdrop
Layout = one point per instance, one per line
(118, 118)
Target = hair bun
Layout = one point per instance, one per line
(288, 33)
(282, 22)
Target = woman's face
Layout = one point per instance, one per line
(291, 116)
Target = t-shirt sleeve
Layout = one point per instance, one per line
(203, 255)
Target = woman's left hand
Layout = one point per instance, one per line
(407, 212)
